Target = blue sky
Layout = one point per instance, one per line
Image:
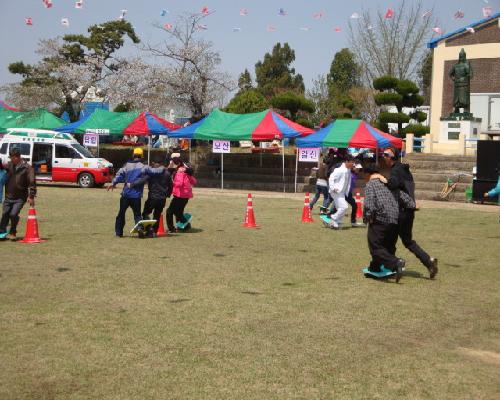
(314, 48)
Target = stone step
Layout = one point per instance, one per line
(409, 158)
(437, 187)
(432, 195)
(254, 170)
(251, 177)
(440, 177)
(448, 166)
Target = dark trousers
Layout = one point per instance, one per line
(381, 243)
(405, 224)
(176, 207)
(156, 207)
(320, 190)
(135, 205)
(10, 211)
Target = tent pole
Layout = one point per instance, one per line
(222, 171)
(283, 146)
(376, 156)
(296, 166)
(149, 148)
(190, 151)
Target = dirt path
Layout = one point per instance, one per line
(300, 197)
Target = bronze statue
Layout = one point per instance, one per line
(461, 74)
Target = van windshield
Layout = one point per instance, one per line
(82, 150)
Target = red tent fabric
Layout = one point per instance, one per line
(6, 106)
(147, 123)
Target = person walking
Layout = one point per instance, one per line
(496, 190)
(381, 212)
(183, 181)
(401, 180)
(321, 188)
(3, 179)
(19, 188)
(350, 197)
(131, 196)
(339, 184)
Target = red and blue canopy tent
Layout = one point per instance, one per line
(264, 125)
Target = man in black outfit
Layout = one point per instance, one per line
(401, 179)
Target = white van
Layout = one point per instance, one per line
(57, 157)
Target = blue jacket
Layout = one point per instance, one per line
(495, 191)
(131, 172)
(3, 179)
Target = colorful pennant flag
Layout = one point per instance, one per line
(28, 21)
(205, 10)
(427, 14)
(355, 16)
(459, 14)
(244, 12)
(47, 3)
(122, 14)
(471, 30)
(79, 4)
(389, 14)
(163, 12)
(65, 22)
(168, 27)
(438, 30)
(318, 15)
(202, 27)
(337, 29)
(282, 12)
(271, 28)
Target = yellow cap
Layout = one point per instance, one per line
(138, 152)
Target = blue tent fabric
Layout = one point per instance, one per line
(186, 132)
(155, 127)
(70, 128)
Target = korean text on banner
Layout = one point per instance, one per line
(309, 155)
(91, 140)
(98, 131)
(221, 146)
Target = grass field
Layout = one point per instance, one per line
(225, 312)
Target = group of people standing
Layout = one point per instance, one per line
(174, 178)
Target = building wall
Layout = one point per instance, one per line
(488, 33)
(486, 59)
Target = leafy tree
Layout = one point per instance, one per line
(319, 95)
(247, 101)
(274, 74)
(392, 46)
(344, 72)
(73, 65)
(400, 94)
(245, 81)
(293, 103)
(425, 77)
(124, 107)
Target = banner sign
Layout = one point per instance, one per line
(221, 146)
(98, 131)
(309, 155)
(91, 140)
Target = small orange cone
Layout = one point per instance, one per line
(32, 235)
(306, 211)
(161, 228)
(249, 215)
(359, 210)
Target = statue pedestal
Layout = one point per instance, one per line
(461, 132)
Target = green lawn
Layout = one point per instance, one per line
(225, 312)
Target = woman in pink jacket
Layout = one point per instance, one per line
(183, 180)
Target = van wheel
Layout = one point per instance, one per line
(85, 180)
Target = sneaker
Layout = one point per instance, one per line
(334, 225)
(357, 224)
(433, 268)
(11, 236)
(119, 235)
(399, 269)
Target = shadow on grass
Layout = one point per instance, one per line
(63, 269)
(219, 255)
(453, 265)
(413, 274)
(192, 230)
(251, 292)
(181, 300)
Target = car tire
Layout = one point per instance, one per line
(85, 180)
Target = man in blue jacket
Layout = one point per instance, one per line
(131, 195)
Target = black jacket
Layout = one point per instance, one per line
(401, 179)
(21, 182)
(159, 186)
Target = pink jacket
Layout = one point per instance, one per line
(183, 184)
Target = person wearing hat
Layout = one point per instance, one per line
(131, 175)
(401, 180)
(381, 212)
(496, 190)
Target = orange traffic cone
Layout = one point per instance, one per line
(359, 210)
(249, 215)
(161, 228)
(31, 235)
(306, 211)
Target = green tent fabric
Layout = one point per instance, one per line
(103, 121)
(37, 119)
